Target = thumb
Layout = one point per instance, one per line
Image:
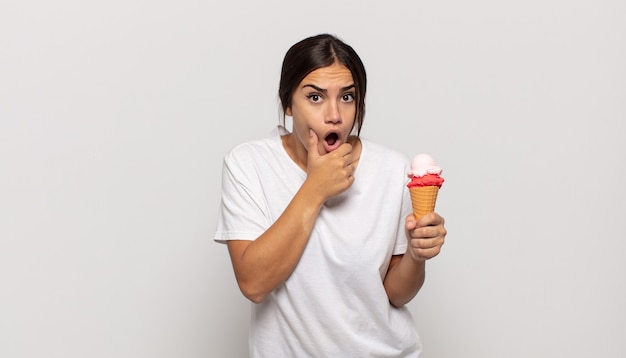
(410, 222)
(313, 151)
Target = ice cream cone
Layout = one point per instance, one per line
(423, 199)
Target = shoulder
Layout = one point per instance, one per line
(258, 160)
(255, 149)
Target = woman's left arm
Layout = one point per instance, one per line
(406, 273)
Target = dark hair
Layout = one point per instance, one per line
(316, 52)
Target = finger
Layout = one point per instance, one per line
(352, 168)
(426, 244)
(313, 150)
(352, 161)
(428, 232)
(430, 219)
(422, 242)
(344, 151)
(427, 254)
(410, 223)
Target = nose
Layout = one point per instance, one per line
(333, 115)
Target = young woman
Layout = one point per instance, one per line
(318, 221)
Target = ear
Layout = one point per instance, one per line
(288, 112)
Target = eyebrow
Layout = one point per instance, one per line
(325, 90)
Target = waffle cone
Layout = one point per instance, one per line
(423, 199)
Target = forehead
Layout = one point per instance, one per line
(335, 73)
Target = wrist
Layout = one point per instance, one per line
(312, 194)
(417, 262)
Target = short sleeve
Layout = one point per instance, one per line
(405, 209)
(242, 213)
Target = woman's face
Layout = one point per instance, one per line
(324, 101)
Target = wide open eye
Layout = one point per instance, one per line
(314, 97)
(348, 97)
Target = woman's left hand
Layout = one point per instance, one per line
(426, 236)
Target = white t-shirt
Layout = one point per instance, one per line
(334, 303)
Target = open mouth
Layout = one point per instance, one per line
(331, 141)
(331, 138)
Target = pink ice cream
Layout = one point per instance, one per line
(424, 172)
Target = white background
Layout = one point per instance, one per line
(115, 117)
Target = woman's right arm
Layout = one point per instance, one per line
(265, 263)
